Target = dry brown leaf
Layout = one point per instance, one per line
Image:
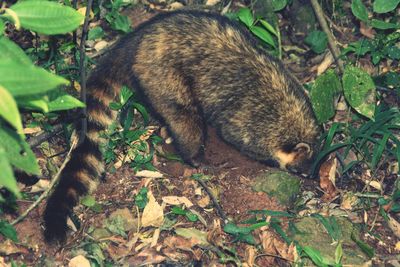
(327, 175)
(2, 262)
(100, 45)
(195, 236)
(153, 213)
(8, 248)
(82, 10)
(367, 30)
(267, 243)
(79, 261)
(154, 240)
(40, 186)
(325, 64)
(212, 2)
(32, 130)
(187, 172)
(146, 257)
(180, 242)
(397, 246)
(204, 202)
(394, 225)
(117, 252)
(290, 253)
(175, 6)
(173, 246)
(216, 236)
(149, 174)
(349, 200)
(375, 184)
(175, 200)
(250, 255)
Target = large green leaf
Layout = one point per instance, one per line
(7, 178)
(64, 102)
(322, 95)
(263, 35)
(34, 102)
(383, 25)
(359, 10)
(22, 80)
(47, 17)
(9, 110)
(18, 152)
(8, 231)
(279, 4)
(11, 51)
(384, 6)
(359, 91)
(245, 16)
(2, 26)
(317, 40)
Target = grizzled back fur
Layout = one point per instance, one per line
(193, 68)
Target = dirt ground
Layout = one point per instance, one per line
(231, 173)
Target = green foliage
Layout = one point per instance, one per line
(384, 6)
(115, 19)
(371, 142)
(260, 28)
(317, 40)
(317, 258)
(331, 226)
(90, 202)
(370, 252)
(44, 16)
(137, 142)
(8, 231)
(279, 4)
(23, 91)
(383, 46)
(95, 254)
(359, 91)
(141, 198)
(360, 11)
(323, 92)
(358, 88)
(187, 213)
(96, 33)
(115, 225)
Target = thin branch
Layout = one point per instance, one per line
(214, 200)
(272, 255)
(331, 39)
(82, 69)
(37, 140)
(51, 185)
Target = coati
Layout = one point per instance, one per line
(193, 68)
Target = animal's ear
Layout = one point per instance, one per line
(302, 148)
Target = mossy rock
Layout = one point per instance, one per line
(279, 184)
(310, 232)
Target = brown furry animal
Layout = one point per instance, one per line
(193, 68)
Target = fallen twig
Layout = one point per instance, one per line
(331, 39)
(214, 200)
(51, 185)
(37, 140)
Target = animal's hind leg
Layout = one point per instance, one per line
(186, 126)
(174, 102)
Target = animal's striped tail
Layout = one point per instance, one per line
(81, 173)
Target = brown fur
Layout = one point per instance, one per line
(194, 68)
